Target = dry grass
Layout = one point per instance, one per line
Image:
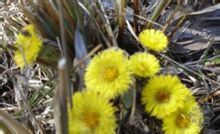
(90, 26)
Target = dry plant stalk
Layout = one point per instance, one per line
(60, 112)
(136, 13)
(12, 124)
(121, 14)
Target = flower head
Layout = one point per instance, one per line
(108, 73)
(28, 45)
(91, 114)
(163, 95)
(186, 120)
(153, 39)
(144, 65)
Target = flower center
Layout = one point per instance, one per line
(182, 121)
(110, 73)
(162, 96)
(142, 66)
(91, 119)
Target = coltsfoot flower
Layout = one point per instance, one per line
(28, 45)
(108, 73)
(144, 64)
(163, 95)
(153, 39)
(91, 114)
(186, 120)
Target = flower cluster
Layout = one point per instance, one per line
(185, 120)
(165, 97)
(110, 74)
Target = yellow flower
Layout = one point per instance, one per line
(91, 114)
(108, 73)
(144, 65)
(163, 95)
(28, 46)
(186, 120)
(153, 39)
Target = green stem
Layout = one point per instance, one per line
(157, 11)
(134, 96)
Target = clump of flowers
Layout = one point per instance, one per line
(153, 39)
(144, 64)
(163, 95)
(28, 45)
(186, 120)
(108, 73)
(91, 114)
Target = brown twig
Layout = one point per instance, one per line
(107, 24)
(213, 94)
(185, 68)
(64, 85)
(88, 56)
(61, 114)
(179, 24)
(171, 16)
(121, 19)
(121, 14)
(136, 12)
